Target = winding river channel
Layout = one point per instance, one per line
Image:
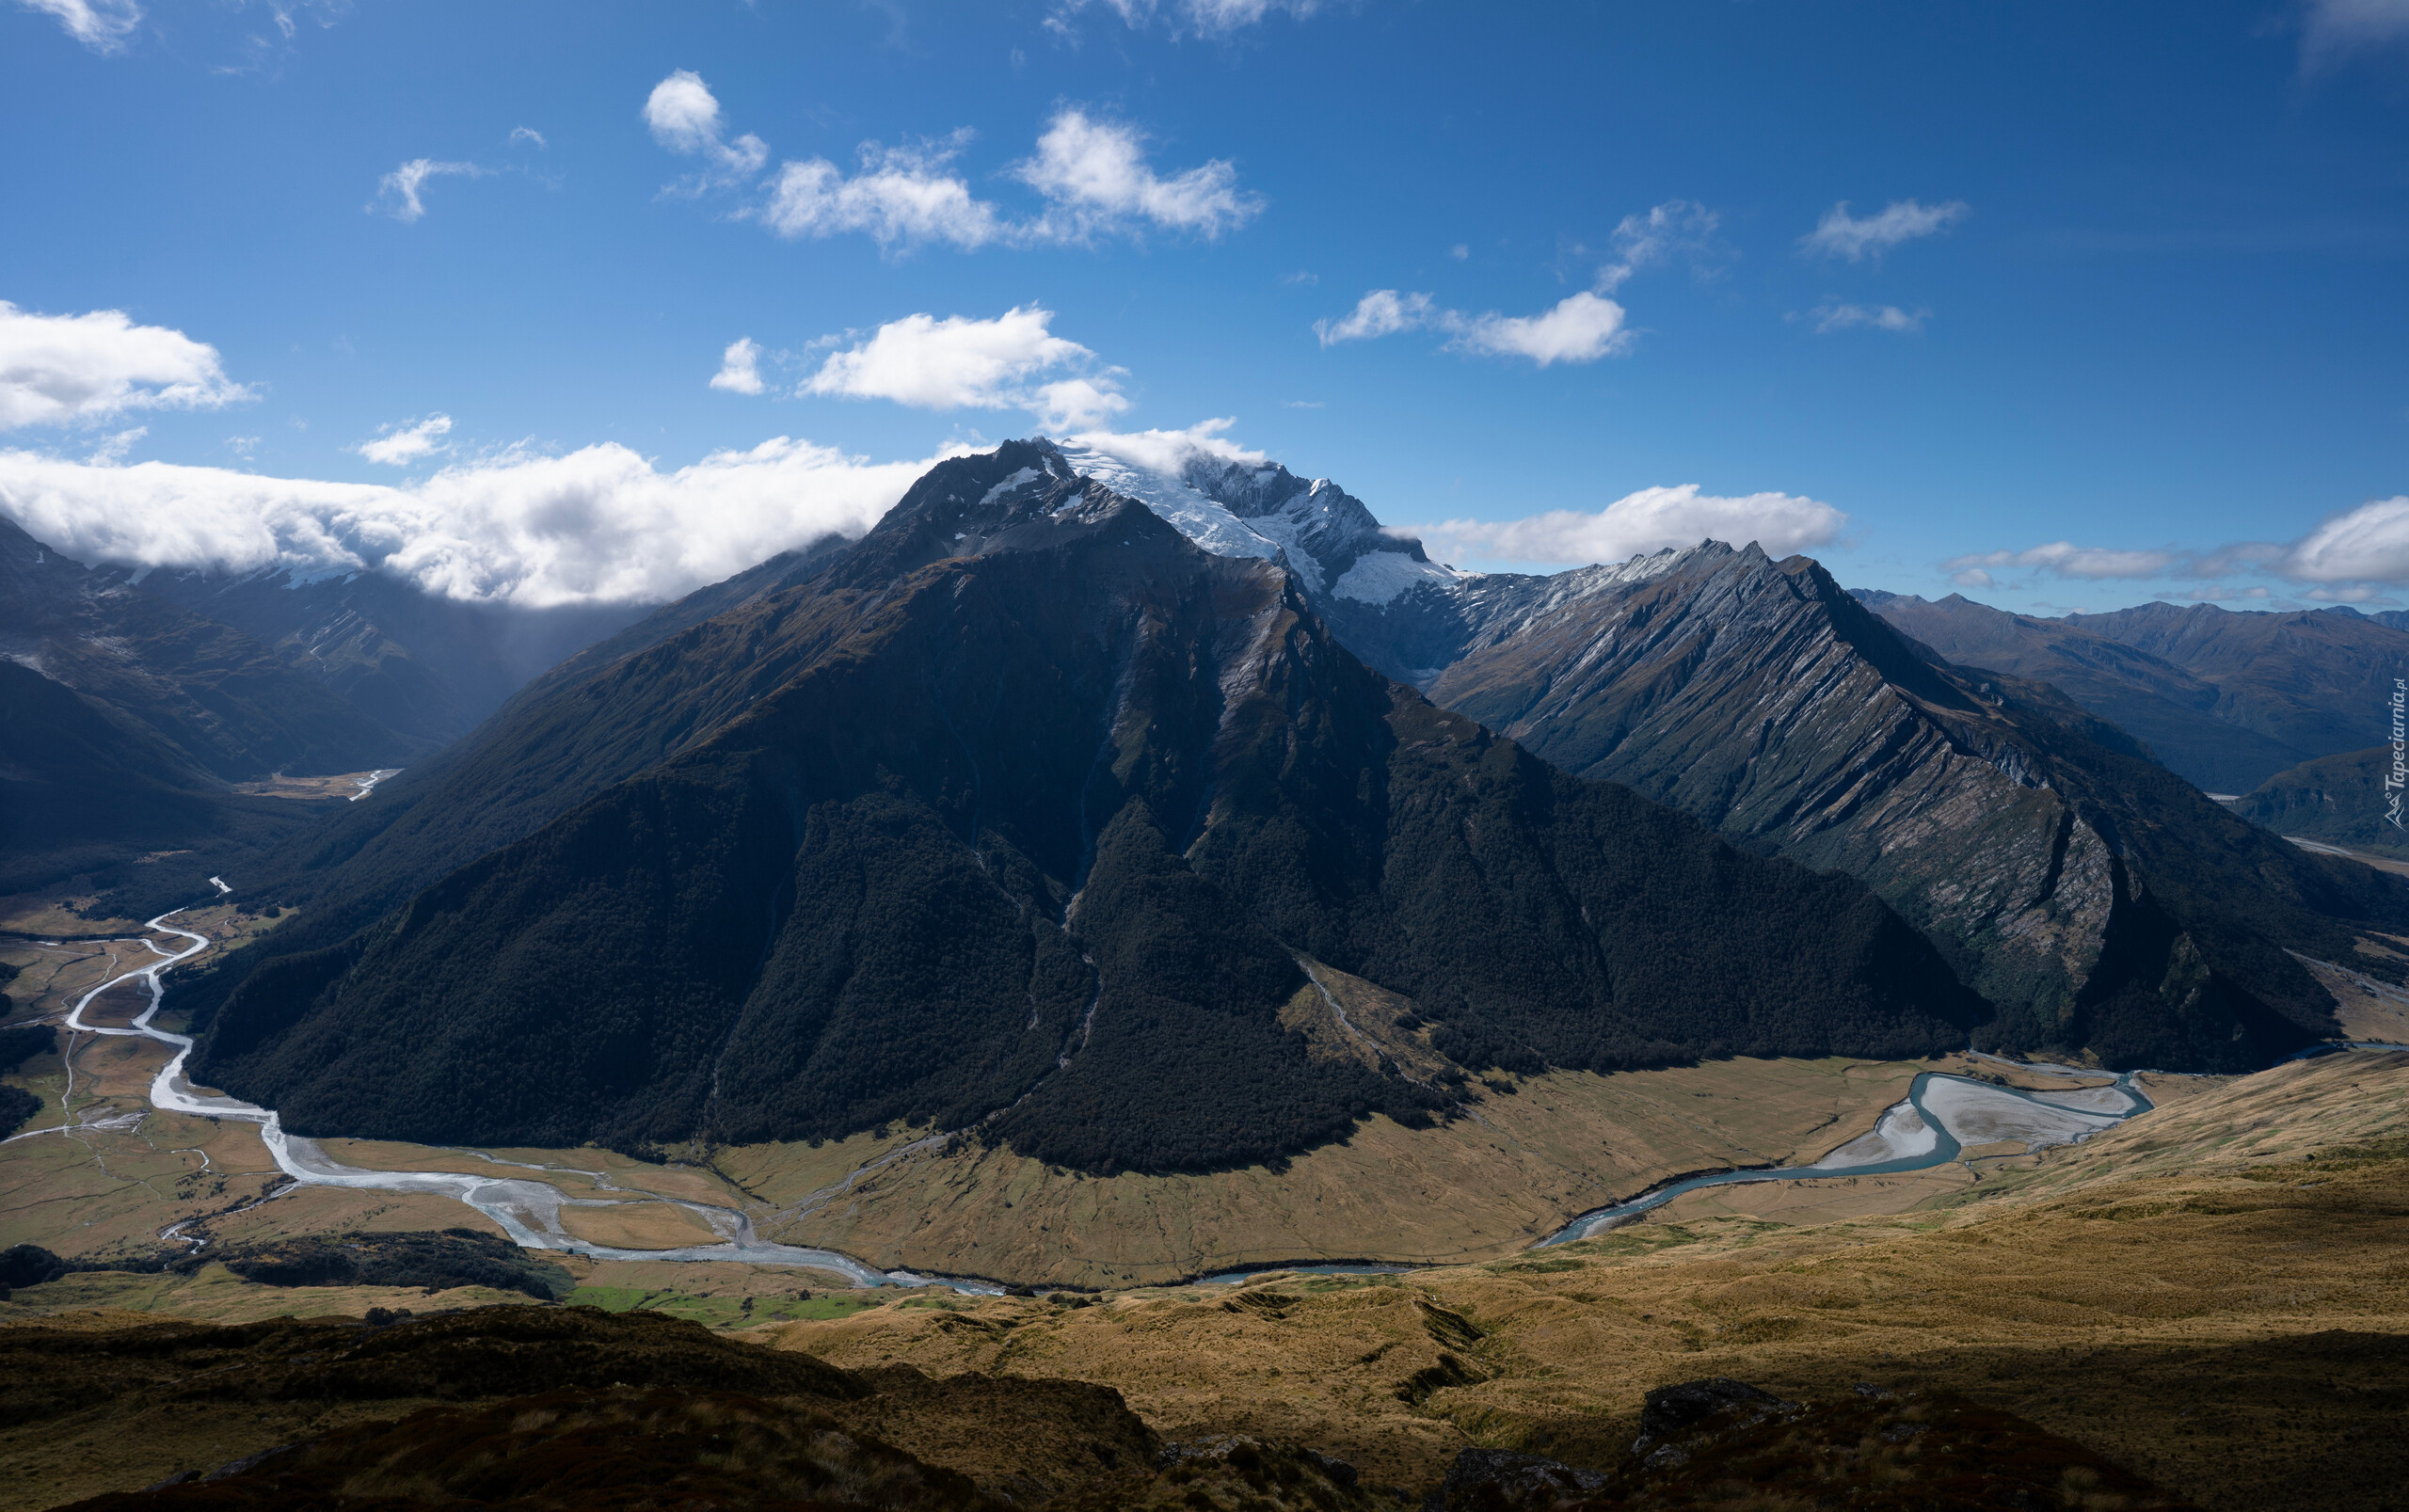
(1941, 1116)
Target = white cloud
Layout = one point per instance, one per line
(1092, 174)
(528, 134)
(1381, 313)
(1460, 252)
(1202, 18)
(397, 191)
(1582, 327)
(962, 363)
(1677, 227)
(2368, 544)
(1161, 451)
(397, 446)
(600, 524)
(1829, 318)
(101, 25)
(739, 369)
(113, 449)
(1972, 577)
(683, 116)
(2332, 28)
(1843, 235)
(1648, 520)
(2067, 560)
(56, 369)
(902, 195)
(1095, 177)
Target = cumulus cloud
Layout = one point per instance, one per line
(1648, 520)
(397, 192)
(1582, 327)
(902, 195)
(1092, 174)
(1829, 318)
(683, 116)
(964, 364)
(740, 367)
(1843, 235)
(56, 369)
(2331, 30)
(599, 524)
(400, 445)
(1095, 178)
(101, 25)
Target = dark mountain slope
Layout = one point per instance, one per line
(85, 791)
(2171, 710)
(2097, 899)
(430, 668)
(231, 706)
(2340, 800)
(1018, 812)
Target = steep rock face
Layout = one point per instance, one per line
(1017, 816)
(2176, 713)
(2097, 899)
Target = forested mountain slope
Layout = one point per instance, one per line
(1019, 813)
(2099, 900)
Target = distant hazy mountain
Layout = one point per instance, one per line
(2340, 800)
(430, 668)
(1023, 812)
(233, 707)
(125, 720)
(2225, 698)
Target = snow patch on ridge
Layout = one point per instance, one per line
(1379, 576)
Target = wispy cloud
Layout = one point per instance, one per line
(1648, 520)
(1012, 361)
(529, 135)
(1215, 19)
(397, 193)
(2356, 547)
(1676, 228)
(1832, 317)
(60, 369)
(2333, 31)
(399, 445)
(1843, 235)
(101, 25)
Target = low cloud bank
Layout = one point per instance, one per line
(596, 525)
(2357, 547)
(1648, 520)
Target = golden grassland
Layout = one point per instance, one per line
(1535, 1151)
(344, 785)
(2193, 1295)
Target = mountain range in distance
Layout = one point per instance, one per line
(1048, 796)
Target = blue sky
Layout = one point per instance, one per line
(2116, 308)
